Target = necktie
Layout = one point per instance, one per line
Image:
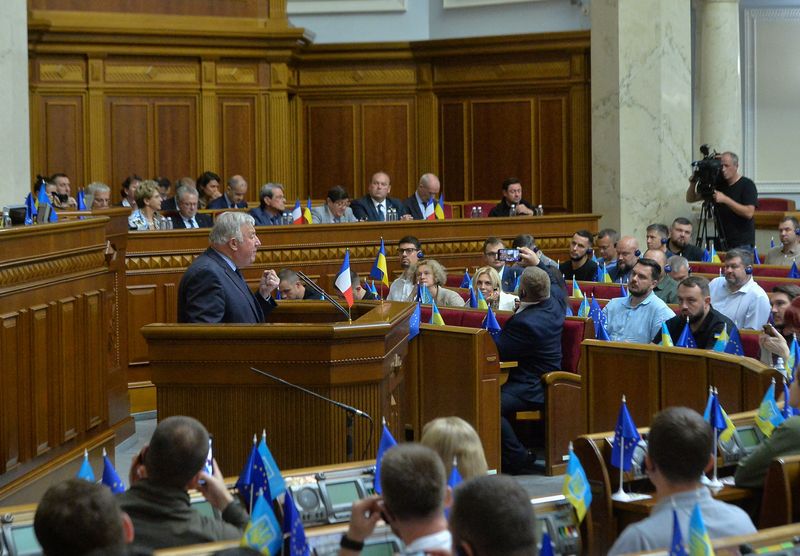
(194, 223)
(381, 216)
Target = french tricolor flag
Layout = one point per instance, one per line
(343, 283)
(297, 213)
(430, 209)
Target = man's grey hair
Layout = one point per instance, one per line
(228, 226)
(536, 284)
(734, 157)
(268, 190)
(91, 190)
(184, 190)
(745, 255)
(678, 263)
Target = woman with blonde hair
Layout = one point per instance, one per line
(432, 275)
(453, 437)
(148, 201)
(487, 281)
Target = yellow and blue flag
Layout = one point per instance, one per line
(576, 290)
(576, 486)
(606, 276)
(686, 339)
(676, 547)
(436, 316)
(277, 486)
(625, 439)
(438, 208)
(85, 472)
(699, 541)
(482, 300)
(715, 416)
(769, 415)
(110, 476)
(791, 364)
(722, 339)
(307, 212)
(379, 269)
(263, 533)
(293, 527)
(253, 479)
(584, 308)
(423, 294)
(666, 337)
(386, 443)
(714, 256)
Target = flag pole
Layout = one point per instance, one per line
(715, 482)
(621, 495)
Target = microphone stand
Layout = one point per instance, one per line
(349, 410)
(308, 282)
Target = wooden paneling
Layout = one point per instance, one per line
(237, 8)
(330, 136)
(500, 147)
(61, 144)
(387, 146)
(453, 155)
(94, 360)
(552, 154)
(237, 126)
(128, 135)
(176, 138)
(66, 375)
(142, 309)
(41, 360)
(12, 389)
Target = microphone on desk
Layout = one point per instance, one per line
(349, 409)
(310, 283)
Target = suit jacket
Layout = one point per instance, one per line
(203, 221)
(211, 292)
(532, 337)
(322, 215)
(410, 206)
(222, 202)
(264, 218)
(169, 204)
(364, 207)
(509, 278)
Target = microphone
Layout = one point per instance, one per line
(348, 408)
(310, 283)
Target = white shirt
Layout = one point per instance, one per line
(400, 289)
(380, 207)
(747, 308)
(437, 541)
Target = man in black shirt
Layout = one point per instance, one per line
(680, 237)
(735, 204)
(512, 196)
(705, 322)
(580, 264)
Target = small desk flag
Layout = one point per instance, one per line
(490, 323)
(666, 337)
(676, 546)
(576, 290)
(699, 541)
(293, 527)
(686, 339)
(436, 316)
(625, 439)
(769, 415)
(466, 281)
(576, 486)
(379, 269)
(85, 472)
(110, 477)
(343, 282)
(277, 486)
(387, 442)
(263, 533)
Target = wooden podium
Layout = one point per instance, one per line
(204, 371)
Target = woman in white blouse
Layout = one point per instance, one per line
(487, 281)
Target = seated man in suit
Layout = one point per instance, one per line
(291, 287)
(273, 205)
(160, 477)
(234, 196)
(508, 274)
(423, 201)
(78, 517)
(98, 196)
(512, 197)
(376, 204)
(187, 216)
(172, 202)
(336, 208)
(213, 289)
(679, 450)
(532, 338)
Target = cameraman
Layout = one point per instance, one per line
(735, 202)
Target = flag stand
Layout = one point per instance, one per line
(715, 483)
(621, 495)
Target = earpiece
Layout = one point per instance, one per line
(589, 251)
(748, 270)
(797, 231)
(667, 268)
(420, 254)
(637, 253)
(664, 241)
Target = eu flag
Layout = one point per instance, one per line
(387, 442)
(734, 345)
(788, 410)
(466, 281)
(756, 258)
(713, 413)
(676, 546)
(110, 477)
(490, 323)
(547, 545)
(263, 533)
(598, 317)
(293, 526)
(30, 209)
(253, 479)
(276, 484)
(793, 272)
(517, 281)
(473, 301)
(625, 439)
(81, 200)
(85, 472)
(686, 339)
(413, 322)
(602, 333)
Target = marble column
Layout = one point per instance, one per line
(718, 77)
(641, 112)
(15, 159)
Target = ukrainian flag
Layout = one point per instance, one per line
(730, 428)
(606, 276)
(585, 308)
(666, 337)
(307, 212)
(379, 270)
(714, 257)
(576, 290)
(436, 316)
(769, 415)
(481, 300)
(438, 208)
(722, 339)
(791, 364)
(263, 533)
(699, 541)
(576, 486)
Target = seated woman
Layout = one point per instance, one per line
(209, 189)
(432, 275)
(487, 281)
(146, 217)
(453, 437)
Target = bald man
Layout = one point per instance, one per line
(428, 187)
(667, 288)
(627, 255)
(234, 195)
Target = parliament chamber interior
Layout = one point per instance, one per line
(90, 339)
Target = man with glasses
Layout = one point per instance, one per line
(508, 274)
(408, 249)
(336, 208)
(187, 217)
(273, 205)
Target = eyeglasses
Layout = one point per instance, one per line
(406, 251)
(491, 253)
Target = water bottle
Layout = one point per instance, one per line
(513, 210)
(540, 210)
(780, 365)
(474, 212)
(286, 219)
(391, 214)
(480, 211)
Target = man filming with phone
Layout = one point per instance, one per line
(496, 256)
(735, 200)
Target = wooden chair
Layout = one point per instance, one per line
(781, 486)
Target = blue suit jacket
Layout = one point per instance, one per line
(532, 337)
(410, 206)
(264, 218)
(223, 203)
(211, 292)
(203, 221)
(364, 207)
(509, 278)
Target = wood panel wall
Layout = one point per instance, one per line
(236, 90)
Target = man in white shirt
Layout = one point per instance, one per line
(409, 251)
(736, 295)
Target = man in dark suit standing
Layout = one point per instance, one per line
(417, 204)
(213, 288)
(376, 205)
(532, 338)
(187, 216)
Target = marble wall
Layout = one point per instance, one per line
(641, 111)
(15, 172)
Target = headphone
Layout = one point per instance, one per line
(664, 241)
(590, 251)
(637, 253)
(748, 270)
(667, 268)
(420, 254)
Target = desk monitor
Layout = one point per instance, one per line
(21, 540)
(749, 438)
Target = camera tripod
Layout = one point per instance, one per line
(708, 212)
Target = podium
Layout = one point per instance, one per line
(204, 371)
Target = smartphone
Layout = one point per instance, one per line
(508, 255)
(769, 330)
(209, 465)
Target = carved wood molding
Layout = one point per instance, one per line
(21, 274)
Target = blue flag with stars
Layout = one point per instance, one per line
(253, 479)
(602, 333)
(676, 547)
(413, 322)
(547, 545)
(263, 533)
(490, 323)
(598, 317)
(625, 439)
(30, 209)
(713, 413)
(756, 258)
(793, 272)
(293, 526)
(466, 281)
(276, 484)
(686, 339)
(387, 442)
(110, 477)
(734, 345)
(473, 301)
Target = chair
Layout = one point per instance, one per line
(775, 204)
(486, 207)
